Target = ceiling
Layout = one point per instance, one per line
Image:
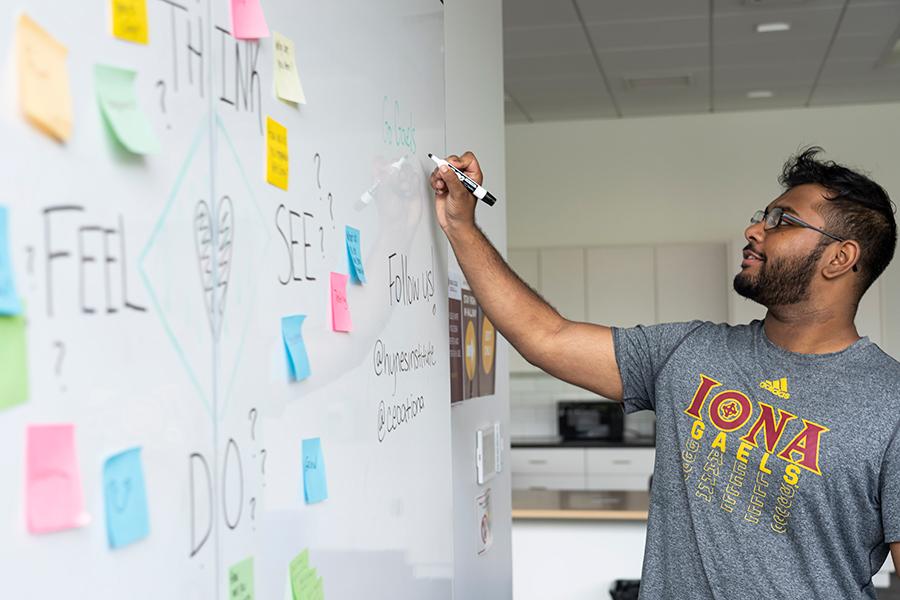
(581, 59)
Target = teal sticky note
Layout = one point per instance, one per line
(119, 103)
(354, 255)
(9, 299)
(315, 484)
(126, 498)
(294, 348)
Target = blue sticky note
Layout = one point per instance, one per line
(354, 256)
(294, 348)
(9, 300)
(126, 498)
(315, 484)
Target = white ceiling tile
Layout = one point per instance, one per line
(669, 100)
(810, 23)
(880, 18)
(675, 59)
(542, 67)
(785, 96)
(650, 33)
(769, 53)
(598, 11)
(766, 76)
(544, 41)
(557, 87)
(538, 13)
(885, 91)
(859, 47)
(721, 7)
(855, 72)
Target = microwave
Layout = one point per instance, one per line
(580, 421)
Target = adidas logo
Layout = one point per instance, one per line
(778, 387)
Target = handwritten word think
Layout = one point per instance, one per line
(391, 417)
(390, 363)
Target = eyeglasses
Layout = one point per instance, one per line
(775, 217)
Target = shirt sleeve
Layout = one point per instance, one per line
(641, 353)
(890, 491)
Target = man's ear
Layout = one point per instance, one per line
(844, 257)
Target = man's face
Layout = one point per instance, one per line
(780, 264)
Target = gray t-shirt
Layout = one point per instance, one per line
(777, 474)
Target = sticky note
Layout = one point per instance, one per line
(129, 20)
(247, 20)
(315, 485)
(354, 256)
(53, 497)
(340, 309)
(294, 348)
(240, 580)
(14, 358)
(9, 299)
(125, 497)
(276, 154)
(118, 102)
(44, 93)
(299, 567)
(287, 79)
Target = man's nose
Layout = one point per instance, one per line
(755, 232)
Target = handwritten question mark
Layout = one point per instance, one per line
(322, 239)
(252, 416)
(29, 250)
(252, 509)
(162, 96)
(59, 359)
(264, 454)
(317, 158)
(331, 208)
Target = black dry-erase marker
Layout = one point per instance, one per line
(477, 191)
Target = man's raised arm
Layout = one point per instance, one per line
(580, 353)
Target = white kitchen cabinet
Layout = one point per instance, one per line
(526, 265)
(689, 282)
(562, 281)
(549, 482)
(548, 461)
(618, 468)
(621, 290)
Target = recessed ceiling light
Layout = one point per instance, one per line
(773, 27)
(757, 94)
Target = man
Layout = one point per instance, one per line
(777, 448)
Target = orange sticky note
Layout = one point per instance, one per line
(340, 308)
(276, 154)
(129, 20)
(44, 93)
(53, 496)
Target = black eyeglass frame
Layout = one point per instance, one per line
(767, 216)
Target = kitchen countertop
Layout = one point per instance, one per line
(580, 505)
(557, 442)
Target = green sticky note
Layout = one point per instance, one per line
(298, 566)
(240, 580)
(13, 357)
(119, 104)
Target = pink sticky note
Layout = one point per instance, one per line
(53, 497)
(247, 20)
(340, 309)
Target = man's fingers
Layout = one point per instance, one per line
(454, 185)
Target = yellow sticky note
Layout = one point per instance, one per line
(44, 93)
(129, 20)
(287, 80)
(276, 154)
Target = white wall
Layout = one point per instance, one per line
(474, 75)
(685, 178)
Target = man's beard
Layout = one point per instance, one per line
(780, 282)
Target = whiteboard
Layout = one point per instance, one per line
(136, 352)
